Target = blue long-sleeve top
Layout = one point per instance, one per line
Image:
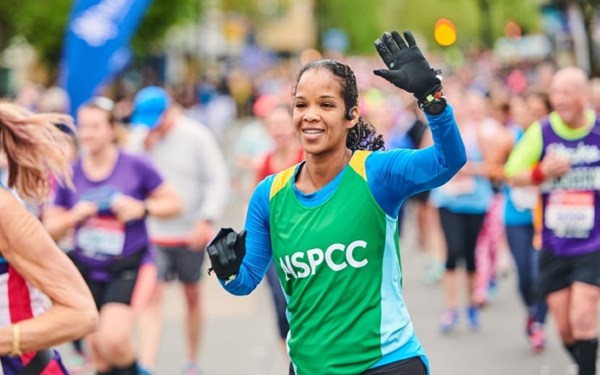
(392, 177)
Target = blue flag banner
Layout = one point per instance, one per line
(96, 45)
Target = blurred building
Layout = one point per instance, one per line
(295, 31)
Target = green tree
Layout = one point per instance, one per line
(363, 20)
(589, 11)
(44, 26)
(161, 15)
(478, 22)
(41, 27)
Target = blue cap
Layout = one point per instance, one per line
(149, 105)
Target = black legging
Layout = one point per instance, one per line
(409, 366)
(461, 232)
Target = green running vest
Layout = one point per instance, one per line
(329, 260)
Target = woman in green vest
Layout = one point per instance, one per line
(330, 223)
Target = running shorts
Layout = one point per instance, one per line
(179, 262)
(557, 273)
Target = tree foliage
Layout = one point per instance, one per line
(43, 24)
(161, 15)
(478, 22)
(364, 19)
(589, 11)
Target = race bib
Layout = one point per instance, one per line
(570, 212)
(459, 185)
(101, 235)
(524, 198)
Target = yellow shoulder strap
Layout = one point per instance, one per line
(281, 179)
(358, 162)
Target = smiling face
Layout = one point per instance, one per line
(319, 112)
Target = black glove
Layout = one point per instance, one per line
(408, 68)
(226, 252)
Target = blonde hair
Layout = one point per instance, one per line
(36, 150)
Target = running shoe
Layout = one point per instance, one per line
(529, 325)
(449, 321)
(473, 317)
(537, 338)
(192, 369)
(492, 289)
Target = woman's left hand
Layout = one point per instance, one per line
(407, 69)
(127, 208)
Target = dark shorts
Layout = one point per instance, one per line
(179, 262)
(119, 286)
(409, 366)
(557, 273)
(118, 290)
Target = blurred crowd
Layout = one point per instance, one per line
(238, 124)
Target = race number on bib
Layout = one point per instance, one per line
(102, 236)
(569, 211)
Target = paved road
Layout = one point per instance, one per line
(240, 335)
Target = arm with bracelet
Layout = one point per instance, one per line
(409, 70)
(163, 202)
(30, 251)
(526, 166)
(30, 261)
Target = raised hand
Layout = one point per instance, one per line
(407, 67)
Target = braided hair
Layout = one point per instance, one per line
(363, 135)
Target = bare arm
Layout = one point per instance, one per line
(30, 250)
(551, 166)
(59, 220)
(521, 179)
(164, 202)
